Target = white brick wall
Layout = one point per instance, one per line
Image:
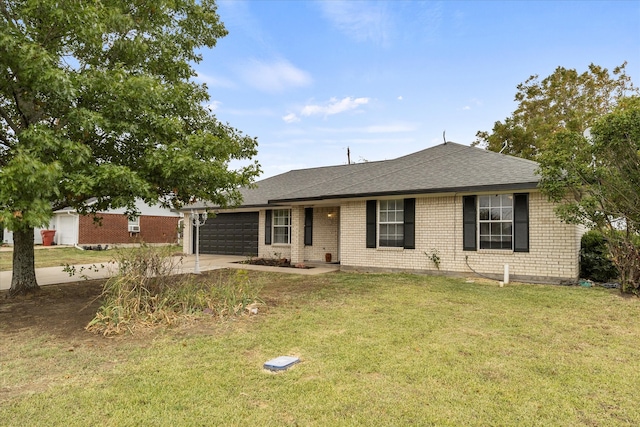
(552, 256)
(273, 250)
(325, 236)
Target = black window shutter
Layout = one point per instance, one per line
(308, 226)
(267, 226)
(371, 223)
(409, 223)
(521, 222)
(469, 223)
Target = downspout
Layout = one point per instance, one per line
(455, 227)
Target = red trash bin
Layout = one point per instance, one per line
(47, 237)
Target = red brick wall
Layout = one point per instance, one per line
(114, 230)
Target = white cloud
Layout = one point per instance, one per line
(473, 102)
(291, 118)
(213, 81)
(362, 20)
(400, 98)
(214, 105)
(334, 106)
(274, 76)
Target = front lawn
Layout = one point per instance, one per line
(378, 349)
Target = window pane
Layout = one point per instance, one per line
(506, 229)
(507, 200)
(484, 201)
(507, 214)
(280, 235)
(496, 229)
(495, 214)
(484, 228)
(484, 214)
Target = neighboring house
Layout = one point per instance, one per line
(154, 225)
(467, 208)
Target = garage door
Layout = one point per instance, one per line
(230, 234)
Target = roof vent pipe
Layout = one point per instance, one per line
(506, 274)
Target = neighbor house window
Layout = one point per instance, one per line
(495, 218)
(391, 223)
(134, 225)
(282, 226)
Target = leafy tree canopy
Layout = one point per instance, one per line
(595, 178)
(97, 101)
(563, 101)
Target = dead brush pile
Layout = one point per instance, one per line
(146, 292)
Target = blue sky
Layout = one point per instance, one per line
(386, 78)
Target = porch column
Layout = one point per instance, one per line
(187, 245)
(297, 234)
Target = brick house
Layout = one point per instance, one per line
(449, 209)
(154, 225)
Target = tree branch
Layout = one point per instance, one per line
(10, 122)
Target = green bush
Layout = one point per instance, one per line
(595, 261)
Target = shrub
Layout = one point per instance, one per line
(595, 260)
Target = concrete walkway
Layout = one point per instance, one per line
(55, 275)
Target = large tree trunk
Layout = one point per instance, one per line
(23, 280)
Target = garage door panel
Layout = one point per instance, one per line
(230, 234)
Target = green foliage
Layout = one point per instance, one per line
(434, 256)
(146, 292)
(595, 260)
(595, 179)
(565, 101)
(97, 101)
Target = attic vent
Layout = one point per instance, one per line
(134, 228)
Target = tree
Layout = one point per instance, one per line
(595, 178)
(563, 101)
(97, 101)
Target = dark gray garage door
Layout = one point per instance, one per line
(230, 234)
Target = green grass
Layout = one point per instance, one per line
(381, 350)
(58, 256)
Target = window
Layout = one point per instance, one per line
(498, 221)
(134, 225)
(495, 220)
(391, 223)
(282, 226)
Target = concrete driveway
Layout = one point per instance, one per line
(55, 275)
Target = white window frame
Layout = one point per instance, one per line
(495, 221)
(281, 226)
(391, 217)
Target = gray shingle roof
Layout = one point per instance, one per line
(444, 168)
